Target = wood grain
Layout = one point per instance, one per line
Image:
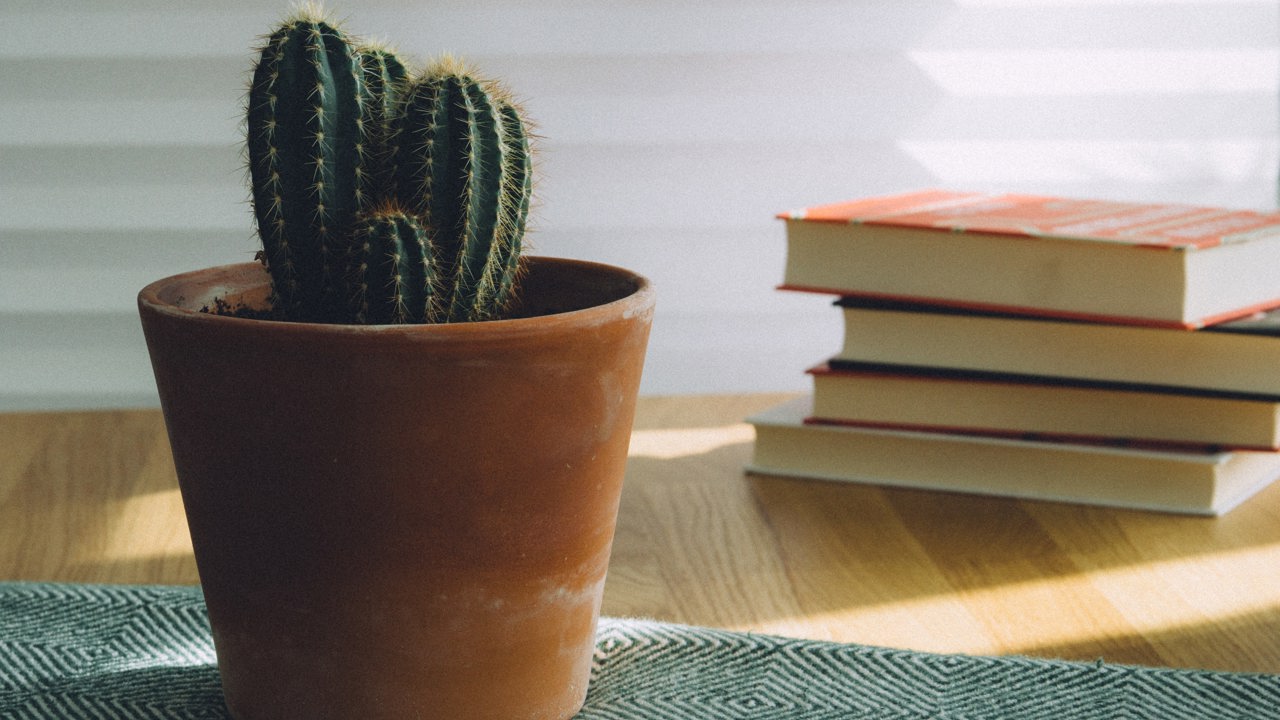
(91, 497)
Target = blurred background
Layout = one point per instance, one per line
(672, 132)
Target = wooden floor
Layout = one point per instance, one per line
(91, 497)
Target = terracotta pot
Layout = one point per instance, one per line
(402, 521)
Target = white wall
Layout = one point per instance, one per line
(674, 130)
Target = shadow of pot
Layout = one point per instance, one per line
(402, 521)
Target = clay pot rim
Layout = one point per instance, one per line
(230, 279)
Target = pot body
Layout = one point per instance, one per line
(402, 521)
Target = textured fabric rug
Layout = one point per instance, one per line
(133, 653)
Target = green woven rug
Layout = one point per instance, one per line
(132, 653)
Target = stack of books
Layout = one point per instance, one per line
(1097, 352)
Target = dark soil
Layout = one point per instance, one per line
(240, 310)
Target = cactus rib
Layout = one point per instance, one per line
(384, 75)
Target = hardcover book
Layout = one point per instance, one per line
(1151, 264)
(1201, 482)
(1241, 356)
(1041, 408)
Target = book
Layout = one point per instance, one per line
(1240, 356)
(1041, 408)
(1147, 264)
(1179, 481)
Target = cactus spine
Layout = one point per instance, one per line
(463, 166)
(381, 198)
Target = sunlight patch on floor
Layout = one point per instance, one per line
(685, 442)
(148, 516)
(1044, 612)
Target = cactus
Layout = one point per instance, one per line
(350, 161)
(391, 276)
(463, 165)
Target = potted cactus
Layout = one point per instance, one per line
(399, 441)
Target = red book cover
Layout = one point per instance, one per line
(1145, 224)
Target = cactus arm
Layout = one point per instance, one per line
(391, 275)
(464, 168)
(304, 135)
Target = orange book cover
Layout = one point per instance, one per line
(1040, 255)
(1155, 225)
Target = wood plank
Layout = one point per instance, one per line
(95, 501)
